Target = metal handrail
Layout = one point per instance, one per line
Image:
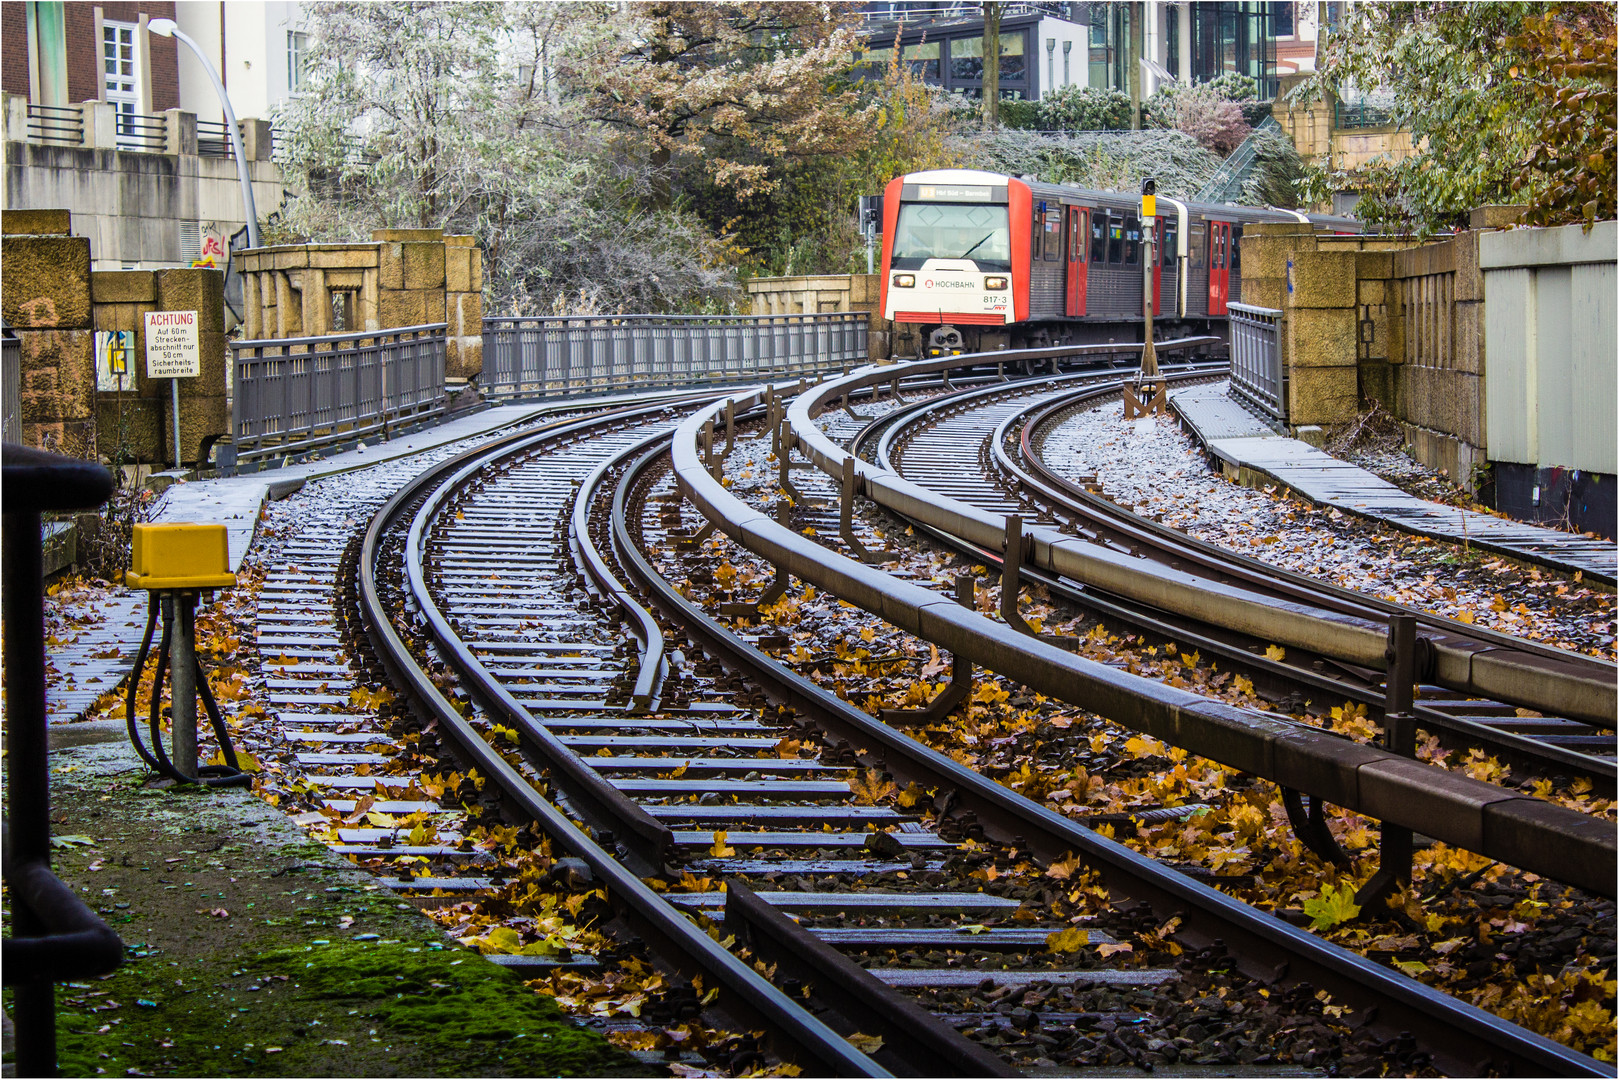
(141, 132)
(547, 356)
(213, 139)
(293, 395)
(55, 937)
(56, 123)
(1257, 373)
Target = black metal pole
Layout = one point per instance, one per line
(1400, 737)
(28, 795)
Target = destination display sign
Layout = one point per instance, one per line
(953, 193)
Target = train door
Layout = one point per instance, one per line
(1157, 267)
(1079, 235)
(1219, 266)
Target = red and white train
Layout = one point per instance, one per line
(984, 261)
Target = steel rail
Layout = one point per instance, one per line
(1551, 684)
(798, 1034)
(1102, 515)
(1505, 825)
(1465, 1039)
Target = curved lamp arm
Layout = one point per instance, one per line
(167, 28)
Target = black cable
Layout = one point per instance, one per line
(227, 775)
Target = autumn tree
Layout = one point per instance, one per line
(744, 91)
(463, 116)
(1505, 102)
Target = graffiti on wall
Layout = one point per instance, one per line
(212, 255)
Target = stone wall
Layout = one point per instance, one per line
(46, 301)
(824, 293)
(139, 423)
(1383, 319)
(403, 277)
(56, 303)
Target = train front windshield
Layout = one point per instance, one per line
(952, 231)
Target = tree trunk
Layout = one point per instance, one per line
(1138, 30)
(992, 64)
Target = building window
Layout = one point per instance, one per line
(966, 59)
(1281, 17)
(297, 59)
(924, 60)
(120, 78)
(1172, 39)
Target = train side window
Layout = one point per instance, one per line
(1132, 241)
(1167, 244)
(1053, 236)
(1098, 236)
(1115, 239)
(1194, 246)
(1076, 242)
(1236, 247)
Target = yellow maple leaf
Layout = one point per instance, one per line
(1069, 940)
(1275, 652)
(872, 788)
(1465, 617)
(721, 849)
(910, 796)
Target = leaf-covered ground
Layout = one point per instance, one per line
(1530, 950)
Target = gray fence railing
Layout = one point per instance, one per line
(1257, 373)
(299, 394)
(11, 388)
(565, 355)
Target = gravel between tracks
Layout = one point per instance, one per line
(1151, 466)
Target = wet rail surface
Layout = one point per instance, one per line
(687, 770)
(986, 451)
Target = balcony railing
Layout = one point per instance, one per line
(56, 124)
(142, 132)
(213, 139)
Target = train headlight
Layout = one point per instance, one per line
(995, 283)
(904, 281)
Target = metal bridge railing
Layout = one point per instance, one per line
(567, 355)
(298, 394)
(1257, 374)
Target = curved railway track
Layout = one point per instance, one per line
(508, 556)
(497, 588)
(979, 448)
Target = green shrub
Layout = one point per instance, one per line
(1084, 108)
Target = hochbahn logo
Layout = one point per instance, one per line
(928, 284)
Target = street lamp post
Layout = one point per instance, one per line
(167, 28)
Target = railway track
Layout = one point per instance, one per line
(498, 587)
(983, 452)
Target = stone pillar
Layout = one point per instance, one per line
(256, 140)
(46, 301)
(16, 118)
(100, 125)
(1323, 386)
(463, 308)
(204, 414)
(180, 132)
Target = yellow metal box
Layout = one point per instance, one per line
(180, 557)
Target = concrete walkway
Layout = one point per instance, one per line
(96, 649)
(1251, 450)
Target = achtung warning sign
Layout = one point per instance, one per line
(172, 350)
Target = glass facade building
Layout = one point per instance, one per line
(1228, 36)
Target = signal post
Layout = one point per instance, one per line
(1146, 396)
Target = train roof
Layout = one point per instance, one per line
(1125, 200)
